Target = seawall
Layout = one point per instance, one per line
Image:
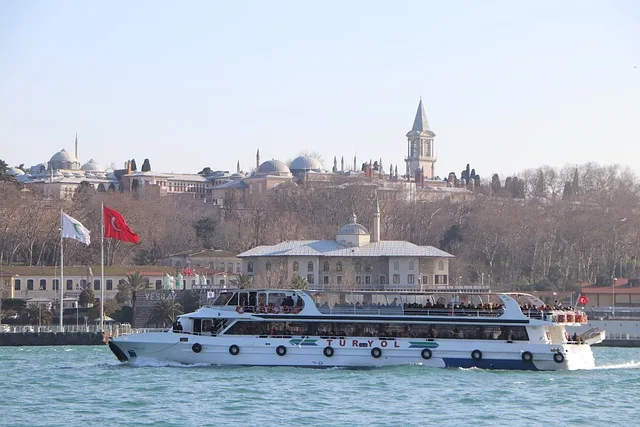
(51, 338)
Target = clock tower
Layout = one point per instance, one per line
(421, 152)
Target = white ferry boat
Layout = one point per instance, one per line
(356, 329)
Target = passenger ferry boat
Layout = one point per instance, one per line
(356, 329)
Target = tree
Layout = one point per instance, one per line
(164, 312)
(35, 314)
(299, 283)
(146, 166)
(134, 167)
(451, 239)
(86, 298)
(242, 281)
(495, 184)
(110, 306)
(190, 301)
(205, 228)
(205, 171)
(128, 291)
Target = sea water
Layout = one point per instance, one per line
(87, 386)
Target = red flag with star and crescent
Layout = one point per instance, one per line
(116, 227)
(582, 300)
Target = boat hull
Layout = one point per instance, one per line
(357, 352)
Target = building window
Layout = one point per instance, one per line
(325, 266)
(29, 284)
(339, 280)
(410, 265)
(383, 280)
(238, 268)
(56, 284)
(210, 264)
(338, 266)
(16, 284)
(96, 285)
(440, 265)
(358, 280)
(325, 280)
(178, 264)
(229, 267)
(221, 266)
(367, 280)
(250, 267)
(425, 280)
(296, 266)
(69, 284)
(411, 279)
(310, 279)
(396, 265)
(43, 285)
(83, 283)
(267, 266)
(158, 284)
(367, 266)
(222, 281)
(441, 279)
(358, 267)
(109, 284)
(310, 267)
(396, 279)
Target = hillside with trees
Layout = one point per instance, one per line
(540, 229)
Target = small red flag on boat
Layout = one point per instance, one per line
(582, 300)
(116, 227)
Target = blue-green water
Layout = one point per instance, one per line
(86, 386)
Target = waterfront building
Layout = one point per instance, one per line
(356, 259)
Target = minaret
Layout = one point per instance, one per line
(335, 164)
(77, 146)
(376, 224)
(420, 146)
(354, 164)
(258, 160)
(342, 164)
(238, 167)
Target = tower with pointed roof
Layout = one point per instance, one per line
(421, 153)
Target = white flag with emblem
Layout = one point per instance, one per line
(73, 229)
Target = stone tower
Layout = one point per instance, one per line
(421, 152)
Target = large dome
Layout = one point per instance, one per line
(92, 166)
(64, 160)
(273, 167)
(352, 228)
(305, 164)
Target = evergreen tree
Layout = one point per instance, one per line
(495, 184)
(133, 165)
(146, 166)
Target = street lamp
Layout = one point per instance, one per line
(613, 297)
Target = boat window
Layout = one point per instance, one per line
(276, 298)
(233, 300)
(223, 298)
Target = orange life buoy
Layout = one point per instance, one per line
(240, 309)
(296, 309)
(276, 309)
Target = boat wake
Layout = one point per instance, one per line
(150, 363)
(626, 365)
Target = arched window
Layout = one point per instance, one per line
(367, 266)
(296, 266)
(338, 266)
(268, 266)
(250, 267)
(410, 265)
(310, 266)
(396, 265)
(325, 266)
(229, 267)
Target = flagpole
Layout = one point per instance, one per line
(61, 271)
(102, 269)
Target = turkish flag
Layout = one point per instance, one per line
(582, 300)
(116, 227)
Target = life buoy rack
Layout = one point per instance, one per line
(234, 350)
(197, 348)
(296, 309)
(281, 350)
(240, 309)
(376, 352)
(426, 354)
(558, 357)
(527, 357)
(274, 309)
(476, 355)
(328, 351)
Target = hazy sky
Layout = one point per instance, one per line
(507, 85)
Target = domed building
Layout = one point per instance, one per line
(302, 164)
(92, 166)
(273, 167)
(64, 160)
(355, 260)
